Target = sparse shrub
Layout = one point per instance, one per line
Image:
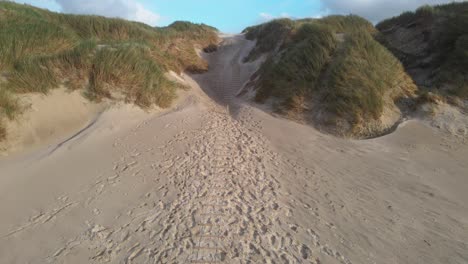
(210, 48)
(9, 106)
(430, 97)
(3, 132)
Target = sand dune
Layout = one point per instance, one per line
(218, 179)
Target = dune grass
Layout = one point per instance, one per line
(130, 71)
(3, 132)
(56, 42)
(8, 104)
(334, 61)
(105, 29)
(19, 38)
(41, 73)
(297, 70)
(25, 32)
(267, 36)
(361, 76)
(305, 50)
(446, 28)
(347, 24)
(278, 33)
(106, 57)
(9, 108)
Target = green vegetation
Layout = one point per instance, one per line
(130, 69)
(41, 50)
(267, 36)
(333, 61)
(8, 109)
(363, 74)
(277, 34)
(297, 70)
(445, 28)
(8, 104)
(3, 132)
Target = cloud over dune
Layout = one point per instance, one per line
(377, 10)
(126, 9)
(264, 17)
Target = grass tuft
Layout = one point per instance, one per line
(267, 36)
(130, 71)
(361, 77)
(107, 57)
(296, 71)
(445, 30)
(9, 108)
(334, 62)
(3, 132)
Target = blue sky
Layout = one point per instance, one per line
(232, 16)
(229, 16)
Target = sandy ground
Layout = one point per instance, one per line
(217, 179)
(46, 118)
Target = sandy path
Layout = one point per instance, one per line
(217, 180)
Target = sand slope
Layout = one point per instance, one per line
(47, 118)
(217, 179)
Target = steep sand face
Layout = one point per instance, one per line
(47, 118)
(216, 179)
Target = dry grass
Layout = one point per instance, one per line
(41, 50)
(277, 34)
(333, 61)
(9, 108)
(296, 71)
(3, 132)
(446, 31)
(24, 32)
(47, 46)
(362, 76)
(128, 70)
(268, 36)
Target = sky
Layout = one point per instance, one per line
(229, 16)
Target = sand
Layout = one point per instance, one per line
(218, 179)
(46, 118)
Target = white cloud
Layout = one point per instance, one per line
(377, 10)
(144, 15)
(126, 9)
(264, 17)
(321, 14)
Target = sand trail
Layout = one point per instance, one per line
(216, 180)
